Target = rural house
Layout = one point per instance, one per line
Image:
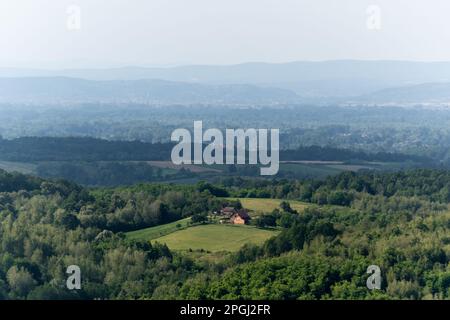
(228, 211)
(240, 217)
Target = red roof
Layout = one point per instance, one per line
(243, 214)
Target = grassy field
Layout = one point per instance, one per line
(215, 237)
(21, 167)
(308, 171)
(190, 167)
(268, 205)
(158, 231)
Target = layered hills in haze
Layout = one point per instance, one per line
(364, 82)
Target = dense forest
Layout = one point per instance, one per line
(398, 221)
(109, 173)
(343, 189)
(412, 131)
(100, 162)
(89, 149)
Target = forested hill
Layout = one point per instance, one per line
(318, 153)
(90, 149)
(81, 149)
(13, 182)
(397, 221)
(57, 90)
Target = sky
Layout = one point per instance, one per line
(58, 34)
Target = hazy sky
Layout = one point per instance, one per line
(35, 33)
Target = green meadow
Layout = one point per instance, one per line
(215, 237)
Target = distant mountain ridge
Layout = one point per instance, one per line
(430, 93)
(326, 82)
(339, 78)
(73, 90)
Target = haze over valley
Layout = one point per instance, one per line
(343, 82)
(251, 150)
